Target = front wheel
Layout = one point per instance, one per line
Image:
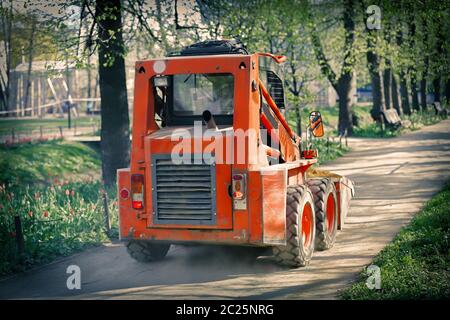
(300, 228)
(146, 251)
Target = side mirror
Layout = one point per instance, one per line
(315, 124)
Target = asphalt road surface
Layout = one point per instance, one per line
(393, 178)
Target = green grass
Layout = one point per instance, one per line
(373, 130)
(366, 127)
(41, 162)
(52, 187)
(329, 149)
(27, 125)
(57, 220)
(416, 265)
(422, 118)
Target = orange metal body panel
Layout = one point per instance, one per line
(223, 180)
(263, 221)
(274, 203)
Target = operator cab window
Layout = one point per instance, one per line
(187, 96)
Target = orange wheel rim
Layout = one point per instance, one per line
(331, 213)
(307, 225)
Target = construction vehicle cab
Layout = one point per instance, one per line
(214, 161)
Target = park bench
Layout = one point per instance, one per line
(439, 110)
(392, 120)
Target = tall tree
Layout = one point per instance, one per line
(412, 70)
(424, 74)
(373, 40)
(404, 92)
(440, 41)
(30, 63)
(5, 76)
(342, 83)
(447, 90)
(387, 85)
(115, 130)
(396, 101)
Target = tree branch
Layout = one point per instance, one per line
(324, 65)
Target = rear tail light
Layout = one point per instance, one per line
(137, 191)
(238, 189)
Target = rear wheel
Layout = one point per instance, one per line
(325, 205)
(146, 251)
(300, 228)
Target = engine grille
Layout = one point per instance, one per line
(183, 193)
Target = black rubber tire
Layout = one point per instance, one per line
(321, 188)
(294, 254)
(146, 251)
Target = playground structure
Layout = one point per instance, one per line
(53, 87)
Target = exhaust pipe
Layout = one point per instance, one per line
(209, 120)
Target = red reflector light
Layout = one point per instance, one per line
(137, 191)
(124, 193)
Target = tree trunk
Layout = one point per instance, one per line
(396, 102)
(404, 93)
(423, 94)
(414, 93)
(343, 84)
(377, 86)
(7, 42)
(437, 89)
(412, 70)
(115, 130)
(89, 77)
(344, 90)
(447, 91)
(423, 80)
(387, 81)
(373, 64)
(30, 64)
(440, 41)
(298, 120)
(378, 96)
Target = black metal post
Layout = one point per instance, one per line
(106, 209)
(19, 238)
(69, 118)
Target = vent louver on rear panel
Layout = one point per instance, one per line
(183, 193)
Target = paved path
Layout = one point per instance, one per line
(393, 179)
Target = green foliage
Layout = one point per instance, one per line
(51, 186)
(329, 149)
(416, 264)
(56, 220)
(422, 118)
(21, 28)
(374, 130)
(370, 129)
(366, 127)
(30, 163)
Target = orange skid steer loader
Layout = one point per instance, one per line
(213, 160)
